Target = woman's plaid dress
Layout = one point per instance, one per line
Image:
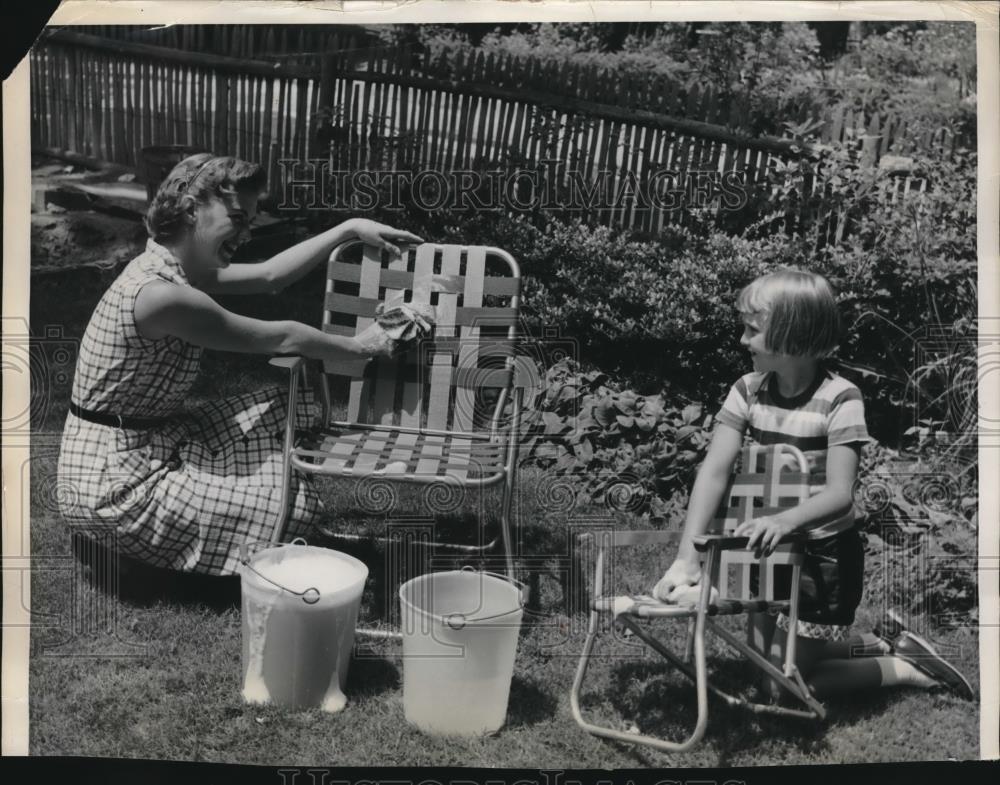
(185, 493)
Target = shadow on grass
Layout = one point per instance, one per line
(661, 702)
(397, 549)
(529, 703)
(371, 675)
(143, 585)
(847, 708)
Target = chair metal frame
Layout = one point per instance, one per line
(420, 407)
(719, 553)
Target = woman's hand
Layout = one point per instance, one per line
(374, 342)
(381, 235)
(764, 533)
(677, 580)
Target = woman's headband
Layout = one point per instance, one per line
(186, 185)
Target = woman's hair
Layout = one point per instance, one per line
(802, 315)
(196, 180)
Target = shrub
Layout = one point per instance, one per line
(656, 311)
(630, 451)
(921, 524)
(918, 75)
(905, 273)
(769, 69)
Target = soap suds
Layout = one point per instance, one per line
(254, 688)
(298, 572)
(334, 700)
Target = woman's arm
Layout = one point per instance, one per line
(290, 265)
(163, 309)
(836, 498)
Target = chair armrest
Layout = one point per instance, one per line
(289, 361)
(727, 542)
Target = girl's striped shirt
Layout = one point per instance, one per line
(829, 412)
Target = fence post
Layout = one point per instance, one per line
(272, 171)
(327, 83)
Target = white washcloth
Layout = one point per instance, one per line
(690, 595)
(396, 324)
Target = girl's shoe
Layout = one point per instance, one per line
(891, 627)
(919, 653)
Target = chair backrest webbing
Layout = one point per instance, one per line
(769, 479)
(439, 383)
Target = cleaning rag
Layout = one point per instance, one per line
(396, 325)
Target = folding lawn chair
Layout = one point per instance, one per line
(770, 479)
(445, 411)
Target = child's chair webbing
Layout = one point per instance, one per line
(770, 479)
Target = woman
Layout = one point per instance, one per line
(184, 488)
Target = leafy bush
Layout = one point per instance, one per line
(768, 73)
(925, 76)
(631, 451)
(922, 534)
(905, 271)
(769, 69)
(655, 313)
(640, 454)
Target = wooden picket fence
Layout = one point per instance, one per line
(288, 43)
(397, 111)
(110, 103)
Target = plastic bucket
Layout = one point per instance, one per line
(157, 162)
(460, 632)
(300, 607)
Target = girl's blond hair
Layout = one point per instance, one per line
(802, 314)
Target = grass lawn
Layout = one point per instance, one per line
(158, 676)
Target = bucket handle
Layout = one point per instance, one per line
(309, 596)
(457, 621)
(246, 545)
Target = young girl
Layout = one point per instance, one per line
(791, 325)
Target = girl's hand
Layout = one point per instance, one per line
(677, 580)
(382, 236)
(764, 533)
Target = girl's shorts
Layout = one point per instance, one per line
(830, 588)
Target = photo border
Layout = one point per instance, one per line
(16, 244)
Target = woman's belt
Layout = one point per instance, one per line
(115, 420)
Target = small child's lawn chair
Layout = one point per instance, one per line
(770, 479)
(444, 411)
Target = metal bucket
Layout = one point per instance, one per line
(460, 632)
(300, 608)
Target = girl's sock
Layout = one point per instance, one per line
(834, 677)
(897, 671)
(865, 644)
